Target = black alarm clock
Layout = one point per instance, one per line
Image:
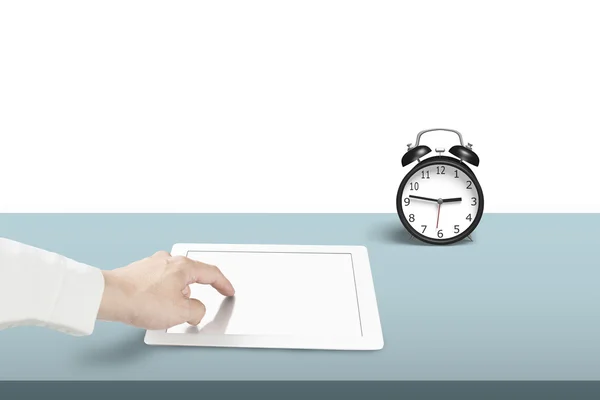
(440, 201)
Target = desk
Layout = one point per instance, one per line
(522, 301)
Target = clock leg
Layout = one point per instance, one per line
(470, 238)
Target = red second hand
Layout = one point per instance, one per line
(438, 218)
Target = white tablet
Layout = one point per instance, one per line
(287, 296)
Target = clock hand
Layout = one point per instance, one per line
(452, 200)
(422, 198)
(439, 201)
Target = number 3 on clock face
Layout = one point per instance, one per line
(440, 202)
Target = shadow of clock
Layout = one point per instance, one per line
(394, 233)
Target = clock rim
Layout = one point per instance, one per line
(447, 161)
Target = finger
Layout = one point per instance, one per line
(195, 311)
(161, 254)
(199, 272)
(186, 292)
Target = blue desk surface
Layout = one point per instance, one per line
(522, 301)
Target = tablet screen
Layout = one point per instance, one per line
(279, 293)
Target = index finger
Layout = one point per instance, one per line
(199, 272)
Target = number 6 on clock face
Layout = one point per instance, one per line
(440, 201)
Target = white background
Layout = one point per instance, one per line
(292, 106)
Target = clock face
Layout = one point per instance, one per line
(440, 201)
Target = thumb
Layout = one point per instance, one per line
(195, 311)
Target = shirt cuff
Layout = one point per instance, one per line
(42, 288)
(76, 306)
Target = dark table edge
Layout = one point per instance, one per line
(489, 390)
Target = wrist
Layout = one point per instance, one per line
(113, 306)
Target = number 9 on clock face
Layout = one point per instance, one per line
(440, 201)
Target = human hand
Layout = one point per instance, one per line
(154, 293)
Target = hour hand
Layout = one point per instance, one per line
(452, 200)
(423, 198)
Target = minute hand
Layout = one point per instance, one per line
(423, 198)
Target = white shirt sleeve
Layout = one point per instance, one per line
(41, 288)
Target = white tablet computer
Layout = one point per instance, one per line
(287, 296)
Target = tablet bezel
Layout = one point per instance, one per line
(372, 335)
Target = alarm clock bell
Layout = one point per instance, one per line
(414, 154)
(465, 154)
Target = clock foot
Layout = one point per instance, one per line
(470, 238)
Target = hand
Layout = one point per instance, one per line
(154, 293)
